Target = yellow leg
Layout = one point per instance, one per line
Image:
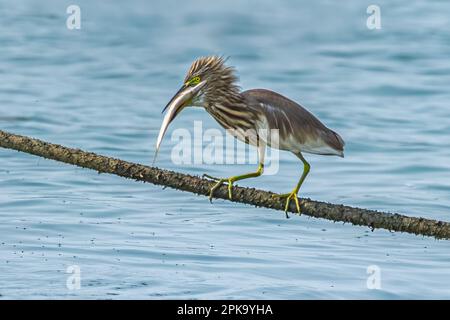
(293, 193)
(231, 180)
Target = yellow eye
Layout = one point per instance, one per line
(194, 80)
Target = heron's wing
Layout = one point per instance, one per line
(296, 125)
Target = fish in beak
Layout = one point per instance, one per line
(180, 100)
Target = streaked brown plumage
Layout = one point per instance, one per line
(211, 84)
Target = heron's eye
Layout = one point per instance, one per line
(193, 81)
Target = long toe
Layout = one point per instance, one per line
(294, 197)
(289, 197)
(210, 177)
(217, 185)
(230, 189)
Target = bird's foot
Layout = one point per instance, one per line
(219, 182)
(210, 177)
(289, 197)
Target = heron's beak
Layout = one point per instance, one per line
(180, 100)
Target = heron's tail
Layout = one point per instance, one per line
(340, 143)
(335, 141)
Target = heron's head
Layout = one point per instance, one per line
(207, 81)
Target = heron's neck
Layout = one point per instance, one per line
(223, 95)
(230, 110)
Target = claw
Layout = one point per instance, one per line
(289, 197)
(231, 180)
(230, 189)
(218, 184)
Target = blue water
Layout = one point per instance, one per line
(101, 88)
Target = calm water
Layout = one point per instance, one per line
(102, 88)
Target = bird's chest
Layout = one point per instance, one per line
(238, 123)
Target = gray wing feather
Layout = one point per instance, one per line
(292, 119)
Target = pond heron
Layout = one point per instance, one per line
(212, 85)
